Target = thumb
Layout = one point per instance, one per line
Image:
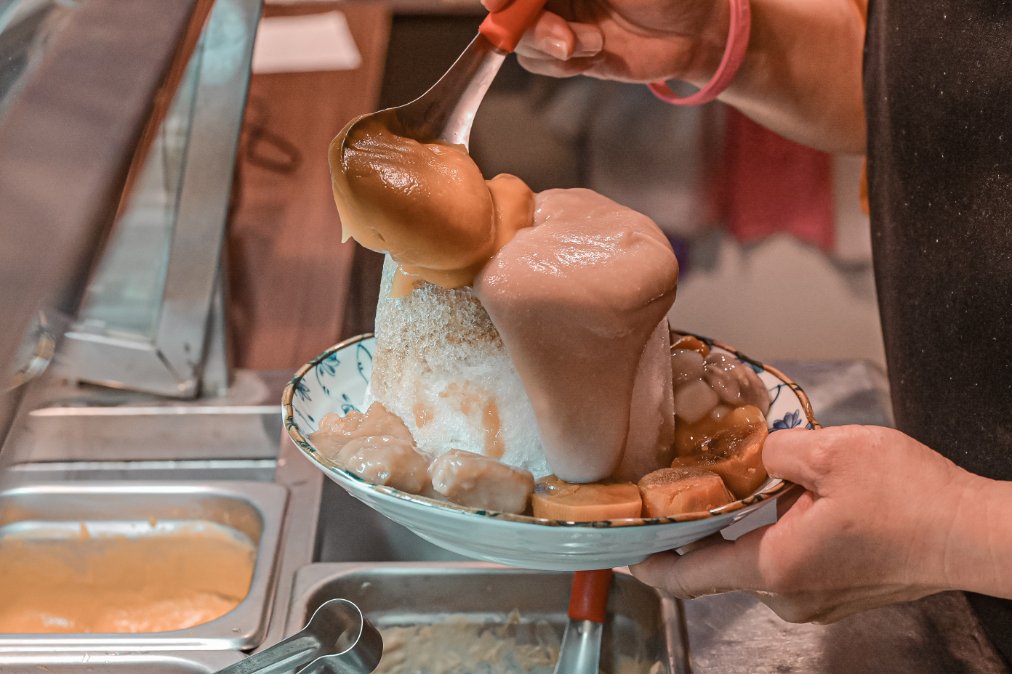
(803, 456)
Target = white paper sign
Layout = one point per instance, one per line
(289, 44)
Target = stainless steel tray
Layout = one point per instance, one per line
(252, 509)
(642, 623)
(203, 662)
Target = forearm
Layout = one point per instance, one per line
(978, 550)
(802, 73)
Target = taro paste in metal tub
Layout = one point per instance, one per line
(133, 566)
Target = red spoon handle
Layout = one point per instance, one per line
(588, 599)
(505, 27)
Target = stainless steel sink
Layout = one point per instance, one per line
(643, 625)
(250, 510)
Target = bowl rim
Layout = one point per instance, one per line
(772, 488)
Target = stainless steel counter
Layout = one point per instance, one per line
(239, 437)
(98, 440)
(735, 634)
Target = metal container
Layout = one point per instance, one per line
(642, 623)
(115, 663)
(248, 509)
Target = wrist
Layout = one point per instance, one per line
(709, 45)
(738, 21)
(978, 542)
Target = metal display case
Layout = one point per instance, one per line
(119, 124)
(152, 318)
(85, 84)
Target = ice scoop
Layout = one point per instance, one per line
(580, 652)
(338, 639)
(446, 111)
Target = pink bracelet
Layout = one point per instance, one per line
(734, 54)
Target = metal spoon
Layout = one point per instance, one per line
(446, 111)
(580, 652)
(338, 639)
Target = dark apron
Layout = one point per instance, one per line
(938, 96)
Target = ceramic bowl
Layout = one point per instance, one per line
(336, 381)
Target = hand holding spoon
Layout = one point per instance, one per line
(446, 111)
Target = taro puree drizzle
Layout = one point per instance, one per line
(575, 283)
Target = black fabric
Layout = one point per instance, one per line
(938, 95)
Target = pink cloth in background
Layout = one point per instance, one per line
(770, 184)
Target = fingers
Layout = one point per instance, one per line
(804, 457)
(720, 567)
(554, 38)
(495, 5)
(555, 68)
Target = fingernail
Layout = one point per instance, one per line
(589, 40)
(555, 48)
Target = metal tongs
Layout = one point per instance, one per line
(338, 639)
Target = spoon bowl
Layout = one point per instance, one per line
(338, 638)
(446, 111)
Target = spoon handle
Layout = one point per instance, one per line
(588, 599)
(505, 27)
(580, 652)
(284, 656)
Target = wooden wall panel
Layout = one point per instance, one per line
(289, 274)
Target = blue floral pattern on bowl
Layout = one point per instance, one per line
(337, 380)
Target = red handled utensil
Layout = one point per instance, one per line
(588, 603)
(446, 111)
